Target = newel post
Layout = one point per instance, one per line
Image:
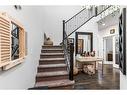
(71, 60)
(63, 30)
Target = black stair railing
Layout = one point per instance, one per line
(83, 17)
(69, 53)
(74, 24)
(78, 20)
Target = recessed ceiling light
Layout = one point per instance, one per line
(103, 24)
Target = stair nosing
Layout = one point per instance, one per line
(53, 84)
(49, 74)
(52, 54)
(53, 49)
(52, 65)
(52, 46)
(50, 59)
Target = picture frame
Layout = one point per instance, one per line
(112, 31)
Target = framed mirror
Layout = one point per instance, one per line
(84, 42)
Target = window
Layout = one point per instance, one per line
(12, 42)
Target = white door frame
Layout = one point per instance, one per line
(114, 55)
(104, 50)
(104, 55)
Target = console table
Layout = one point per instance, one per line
(89, 61)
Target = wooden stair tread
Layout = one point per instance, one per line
(52, 53)
(51, 59)
(56, 83)
(54, 49)
(54, 73)
(52, 65)
(51, 46)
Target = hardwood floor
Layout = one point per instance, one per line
(109, 80)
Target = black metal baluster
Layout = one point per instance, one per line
(63, 30)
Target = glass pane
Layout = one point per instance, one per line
(15, 42)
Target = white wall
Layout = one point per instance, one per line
(92, 27)
(52, 20)
(23, 75)
(36, 20)
(105, 33)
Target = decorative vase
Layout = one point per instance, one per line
(48, 42)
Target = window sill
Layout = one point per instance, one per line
(14, 63)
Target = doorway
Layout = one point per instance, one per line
(110, 50)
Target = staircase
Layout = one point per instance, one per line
(52, 71)
(55, 70)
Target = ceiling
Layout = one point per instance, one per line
(109, 20)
